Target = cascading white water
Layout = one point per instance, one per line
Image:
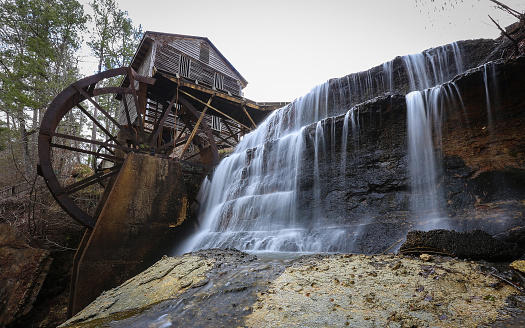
(491, 91)
(432, 68)
(422, 160)
(388, 67)
(424, 118)
(425, 110)
(251, 202)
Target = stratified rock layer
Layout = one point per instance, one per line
(475, 244)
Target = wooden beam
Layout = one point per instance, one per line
(231, 131)
(102, 110)
(215, 109)
(196, 127)
(223, 139)
(246, 112)
(235, 99)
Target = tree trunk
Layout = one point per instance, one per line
(24, 138)
(34, 136)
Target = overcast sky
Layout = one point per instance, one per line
(286, 47)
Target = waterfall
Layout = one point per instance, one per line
(388, 68)
(491, 91)
(422, 109)
(251, 201)
(433, 67)
(425, 110)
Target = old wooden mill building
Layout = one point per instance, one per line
(180, 99)
(191, 72)
(177, 105)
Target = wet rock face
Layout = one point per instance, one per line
(475, 244)
(228, 288)
(481, 171)
(363, 185)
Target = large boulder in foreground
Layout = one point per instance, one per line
(229, 288)
(474, 244)
(23, 270)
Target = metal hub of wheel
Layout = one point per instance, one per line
(65, 152)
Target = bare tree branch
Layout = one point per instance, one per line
(516, 45)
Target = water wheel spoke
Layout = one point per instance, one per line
(91, 87)
(102, 110)
(109, 150)
(105, 144)
(106, 90)
(182, 132)
(88, 152)
(97, 123)
(166, 145)
(181, 141)
(128, 119)
(160, 123)
(176, 142)
(91, 180)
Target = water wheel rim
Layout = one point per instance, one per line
(64, 102)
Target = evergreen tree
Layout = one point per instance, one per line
(38, 40)
(113, 41)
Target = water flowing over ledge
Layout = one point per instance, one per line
(309, 179)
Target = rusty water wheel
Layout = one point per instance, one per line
(63, 144)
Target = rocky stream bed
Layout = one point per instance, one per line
(229, 288)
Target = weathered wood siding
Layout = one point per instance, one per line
(145, 70)
(168, 59)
